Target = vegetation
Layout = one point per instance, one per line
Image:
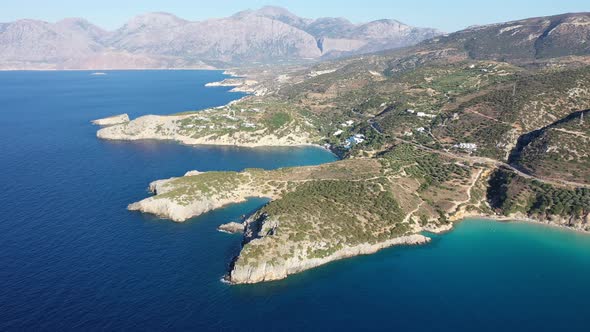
(502, 94)
(323, 212)
(509, 194)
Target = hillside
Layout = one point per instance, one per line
(428, 134)
(162, 40)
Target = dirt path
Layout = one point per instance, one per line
(497, 163)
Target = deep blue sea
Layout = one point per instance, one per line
(73, 258)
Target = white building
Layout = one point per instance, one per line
(347, 123)
(425, 115)
(354, 140)
(466, 146)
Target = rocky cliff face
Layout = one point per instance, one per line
(162, 40)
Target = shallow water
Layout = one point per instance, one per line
(74, 258)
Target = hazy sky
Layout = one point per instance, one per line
(447, 15)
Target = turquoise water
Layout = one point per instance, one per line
(73, 258)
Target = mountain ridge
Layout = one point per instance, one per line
(164, 40)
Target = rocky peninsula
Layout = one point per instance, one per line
(238, 124)
(310, 220)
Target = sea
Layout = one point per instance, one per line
(72, 258)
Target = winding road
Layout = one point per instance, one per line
(484, 160)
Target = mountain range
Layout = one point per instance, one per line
(162, 40)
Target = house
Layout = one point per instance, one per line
(410, 111)
(425, 115)
(420, 129)
(347, 123)
(338, 132)
(356, 139)
(466, 146)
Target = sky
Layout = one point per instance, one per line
(446, 15)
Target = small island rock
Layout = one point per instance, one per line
(232, 228)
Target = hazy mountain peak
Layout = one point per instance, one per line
(275, 11)
(74, 21)
(159, 19)
(81, 25)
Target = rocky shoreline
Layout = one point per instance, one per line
(245, 274)
(561, 223)
(178, 211)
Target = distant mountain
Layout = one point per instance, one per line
(162, 40)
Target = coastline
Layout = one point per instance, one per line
(262, 273)
(267, 273)
(239, 84)
(502, 219)
(223, 144)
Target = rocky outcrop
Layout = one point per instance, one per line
(231, 228)
(181, 208)
(248, 274)
(112, 120)
(173, 210)
(581, 224)
(180, 199)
